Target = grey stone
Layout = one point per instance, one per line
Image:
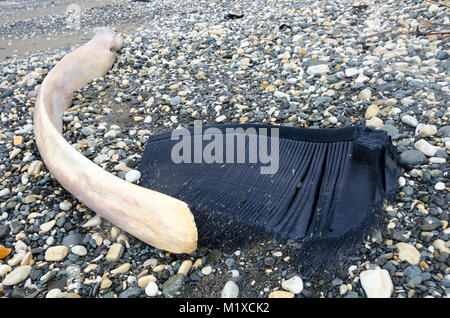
(131, 293)
(412, 157)
(173, 284)
(72, 239)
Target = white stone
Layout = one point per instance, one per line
(343, 289)
(377, 283)
(407, 101)
(318, 69)
(437, 160)
(151, 289)
(148, 119)
(433, 9)
(230, 290)
(132, 176)
(4, 192)
(401, 182)
(206, 270)
(50, 240)
(93, 222)
(408, 253)
(350, 72)
(361, 79)
(440, 245)
(374, 122)
(65, 205)
(55, 293)
(279, 94)
(19, 274)
(410, 120)
(79, 250)
(221, 118)
(426, 130)
(4, 269)
(439, 186)
(294, 285)
(56, 253)
(365, 94)
(395, 111)
(47, 226)
(333, 120)
(424, 147)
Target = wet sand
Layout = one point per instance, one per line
(12, 12)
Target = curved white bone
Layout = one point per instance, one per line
(155, 218)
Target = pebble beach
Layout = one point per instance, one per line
(312, 64)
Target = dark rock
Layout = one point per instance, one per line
(4, 231)
(131, 293)
(72, 239)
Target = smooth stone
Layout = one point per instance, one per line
(72, 239)
(410, 120)
(93, 222)
(106, 283)
(371, 111)
(439, 186)
(444, 131)
(4, 269)
(35, 168)
(151, 289)
(145, 280)
(131, 293)
(230, 290)
(294, 285)
(132, 176)
(56, 253)
(65, 205)
(440, 245)
(391, 130)
(374, 122)
(408, 253)
(365, 94)
(206, 270)
(426, 130)
(173, 285)
(318, 69)
(47, 226)
(377, 283)
(123, 268)
(4, 192)
(79, 250)
(115, 252)
(185, 267)
(19, 274)
(350, 72)
(281, 294)
(424, 147)
(412, 157)
(55, 293)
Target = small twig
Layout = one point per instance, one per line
(436, 23)
(439, 3)
(444, 37)
(376, 34)
(417, 32)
